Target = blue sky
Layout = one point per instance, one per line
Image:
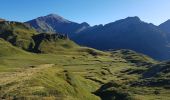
(91, 11)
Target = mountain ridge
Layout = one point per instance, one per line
(165, 26)
(58, 68)
(128, 33)
(55, 23)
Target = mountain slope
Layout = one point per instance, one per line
(54, 23)
(62, 70)
(159, 70)
(134, 57)
(18, 34)
(165, 26)
(51, 43)
(26, 38)
(130, 33)
(6, 49)
(156, 76)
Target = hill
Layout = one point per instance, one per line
(18, 34)
(6, 49)
(156, 76)
(25, 37)
(134, 57)
(159, 70)
(64, 75)
(129, 33)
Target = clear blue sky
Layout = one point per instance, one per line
(91, 11)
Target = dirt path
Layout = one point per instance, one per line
(25, 74)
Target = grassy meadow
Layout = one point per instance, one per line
(73, 75)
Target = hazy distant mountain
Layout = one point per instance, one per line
(54, 23)
(130, 33)
(165, 26)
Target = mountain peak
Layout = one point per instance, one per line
(55, 17)
(127, 20)
(165, 26)
(85, 24)
(166, 22)
(135, 18)
(54, 23)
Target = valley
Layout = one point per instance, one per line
(70, 76)
(38, 65)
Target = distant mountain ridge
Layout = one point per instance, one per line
(165, 26)
(54, 23)
(129, 33)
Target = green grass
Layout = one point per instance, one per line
(74, 76)
(17, 34)
(7, 49)
(134, 57)
(63, 70)
(57, 83)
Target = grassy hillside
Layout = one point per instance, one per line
(25, 37)
(156, 76)
(6, 49)
(58, 69)
(158, 70)
(52, 43)
(134, 57)
(66, 76)
(46, 82)
(18, 34)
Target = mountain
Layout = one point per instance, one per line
(165, 26)
(129, 33)
(25, 37)
(54, 23)
(53, 67)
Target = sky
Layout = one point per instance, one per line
(93, 12)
